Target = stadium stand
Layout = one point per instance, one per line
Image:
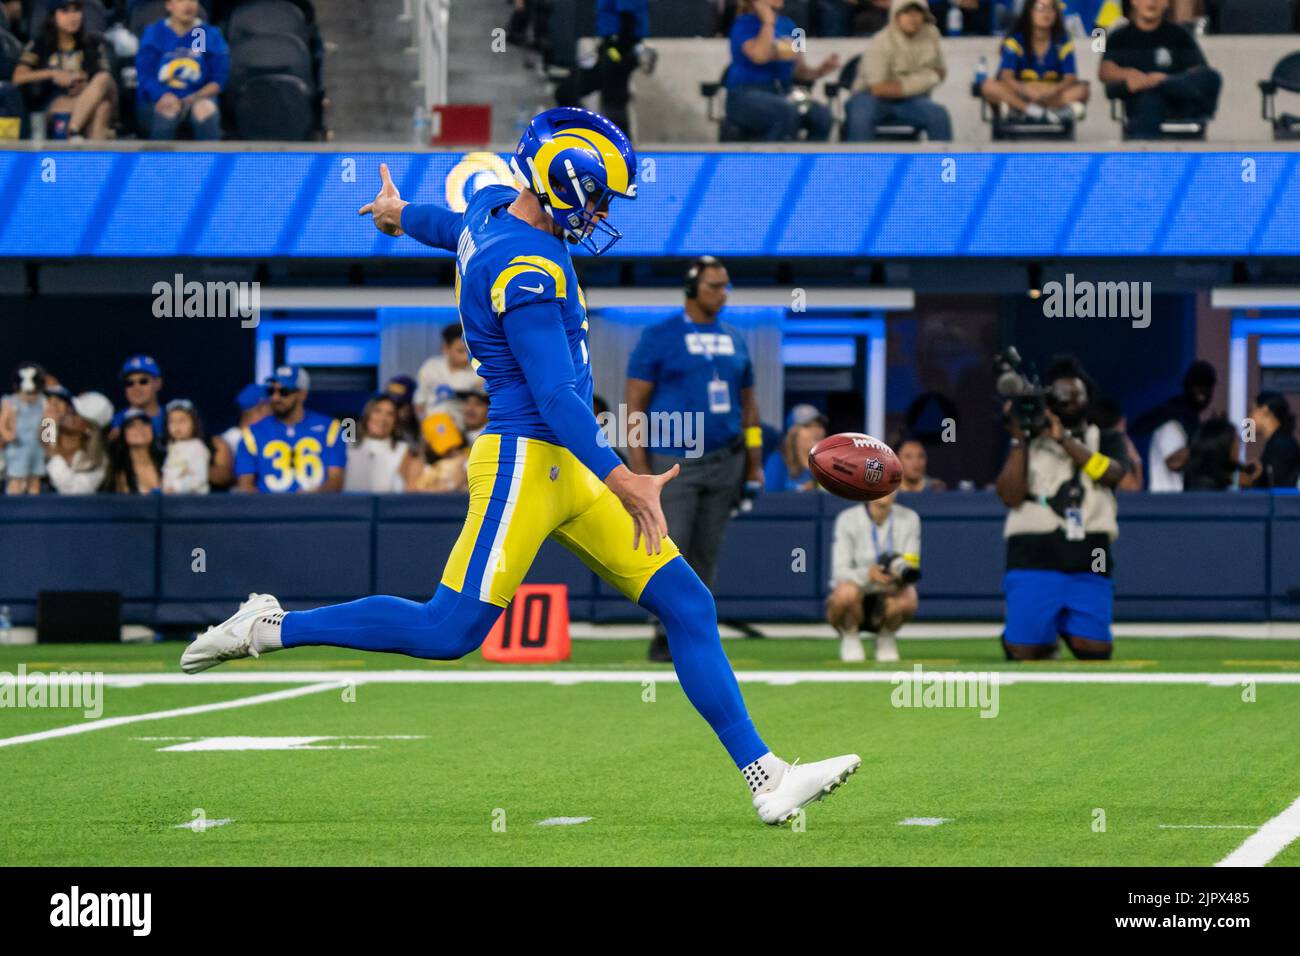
(1285, 78)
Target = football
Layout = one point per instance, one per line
(855, 466)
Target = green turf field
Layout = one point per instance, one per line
(450, 772)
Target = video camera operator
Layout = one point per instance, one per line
(1059, 481)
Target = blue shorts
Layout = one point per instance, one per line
(1043, 605)
(24, 460)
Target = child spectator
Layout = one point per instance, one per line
(765, 62)
(1037, 76)
(78, 462)
(134, 458)
(903, 63)
(21, 415)
(189, 457)
(442, 376)
(1162, 69)
(142, 381)
(183, 65)
(786, 469)
(379, 463)
(64, 73)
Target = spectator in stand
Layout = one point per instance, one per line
(442, 376)
(621, 25)
(843, 18)
(1037, 76)
(1212, 457)
(1162, 69)
(183, 64)
(21, 415)
(64, 73)
(380, 463)
(78, 462)
(293, 449)
(188, 458)
(912, 456)
(253, 407)
(976, 15)
(1094, 13)
(134, 459)
(1107, 415)
(58, 400)
(446, 455)
(903, 63)
(786, 469)
(765, 62)
(1172, 423)
(1279, 464)
(142, 380)
(401, 389)
(473, 414)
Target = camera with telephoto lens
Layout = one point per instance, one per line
(899, 567)
(1029, 400)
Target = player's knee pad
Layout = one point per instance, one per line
(458, 623)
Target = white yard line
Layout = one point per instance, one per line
(1030, 675)
(1268, 841)
(105, 723)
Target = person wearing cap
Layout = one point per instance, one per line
(446, 456)
(294, 449)
(253, 407)
(401, 389)
(694, 370)
(142, 381)
(1171, 425)
(903, 63)
(135, 457)
(78, 461)
(787, 467)
(442, 376)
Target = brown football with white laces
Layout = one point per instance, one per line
(855, 466)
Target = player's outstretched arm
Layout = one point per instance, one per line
(426, 223)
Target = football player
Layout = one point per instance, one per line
(543, 467)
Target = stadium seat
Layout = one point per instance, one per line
(274, 107)
(266, 55)
(263, 17)
(692, 19)
(1182, 128)
(1255, 16)
(1286, 76)
(145, 14)
(1018, 127)
(843, 86)
(715, 99)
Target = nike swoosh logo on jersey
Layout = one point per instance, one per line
(528, 288)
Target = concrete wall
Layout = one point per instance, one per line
(669, 108)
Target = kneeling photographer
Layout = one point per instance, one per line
(875, 564)
(1058, 481)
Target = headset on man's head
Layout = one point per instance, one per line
(692, 287)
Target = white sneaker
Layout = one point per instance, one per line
(851, 651)
(886, 649)
(230, 640)
(802, 784)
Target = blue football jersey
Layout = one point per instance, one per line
(503, 263)
(288, 458)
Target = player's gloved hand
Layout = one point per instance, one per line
(639, 495)
(387, 207)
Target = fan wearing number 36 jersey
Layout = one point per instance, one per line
(293, 449)
(542, 468)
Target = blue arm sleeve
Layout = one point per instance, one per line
(432, 225)
(536, 336)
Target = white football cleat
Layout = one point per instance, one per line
(231, 639)
(802, 784)
(886, 649)
(851, 651)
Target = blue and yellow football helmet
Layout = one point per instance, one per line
(569, 157)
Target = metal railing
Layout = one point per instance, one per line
(429, 31)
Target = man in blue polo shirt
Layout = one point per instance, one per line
(293, 449)
(692, 377)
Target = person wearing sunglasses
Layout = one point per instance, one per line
(293, 449)
(141, 381)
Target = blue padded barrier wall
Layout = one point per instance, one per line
(1204, 557)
